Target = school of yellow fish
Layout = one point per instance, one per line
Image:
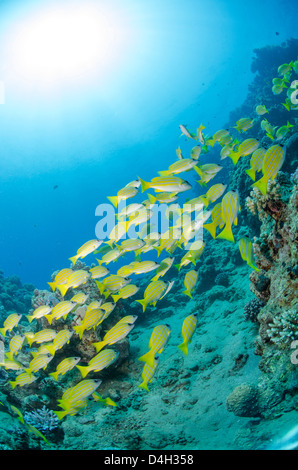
(167, 188)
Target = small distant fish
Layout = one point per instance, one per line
(77, 393)
(229, 211)
(15, 345)
(39, 312)
(60, 278)
(62, 309)
(245, 148)
(188, 329)
(125, 193)
(147, 374)
(256, 163)
(64, 366)
(23, 379)
(38, 362)
(282, 131)
(190, 281)
(80, 298)
(98, 272)
(179, 167)
(159, 337)
(246, 251)
(55, 186)
(171, 184)
(94, 318)
(41, 336)
(243, 124)
(9, 323)
(200, 135)
(152, 293)
(186, 132)
(126, 292)
(99, 362)
(85, 250)
(115, 334)
(163, 268)
(261, 109)
(61, 338)
(213, 193)
(272, 163)
(75, 279)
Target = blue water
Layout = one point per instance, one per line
(68, 143)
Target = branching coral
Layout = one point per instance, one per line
(284, 328)
(42, 419)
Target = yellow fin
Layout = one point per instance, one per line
(226, 234)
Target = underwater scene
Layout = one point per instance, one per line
(149, 228)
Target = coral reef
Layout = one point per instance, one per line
(42, 419)
(252, 309)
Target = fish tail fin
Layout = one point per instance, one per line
(145, 184)
(100, 261)
(235, 157)
(51, 349)
(73, 259)
(186, 292)
(158, 249)
(113, 200)
(3, 331)
(226, 234)
(84, 370)
(13, 383)
(100, 286)
(262, 185)
(116, 297)
(52, 285)
(29, 318)
(144, 386)
(151, 198)
(79, 329)
(55, 375)
(143, 303)
(253, 266)
(205, 201)
(211, 229)
(99, 345)
(270, 136)
(251, 173)
(164, 173)
(60, 414)
(183, 347)
(63, 288)
(202, 183)
(9, 356)
(148, 358)
(50, 318)
(198, 170)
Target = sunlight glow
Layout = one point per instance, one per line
(63, 42)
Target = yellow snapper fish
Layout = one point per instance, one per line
(85, 250)
(110, 256)
(243, 124)
(141, 217)
(127, 319)
(229, 212)
(163, 268)
(64, 366)
(191, 205)
(39, 362)
(179, 167)
(130, 245)
(117, 232)
(272, 163)
(285, 68)
(190, 281)
(163, 198)
(134, 183)
(216, 220)
(192, 255)
(282, 131)
(125, 193)
(126, 292)
(104, 401)
(41, 336)
(245, 148)
(23, 379)
(90, 320)
(115, 334)
(195, 152)
(261, 109)
(99, 271)
(168, 240)
(125, 270)
(188, 329)
(76, 279)
(62, 337)
(170, 184)
(107, 307)
(113, 283)
(15, 345)
(147, 374)
(77, 393)
(200, 135)
(39, 312)
(60, 278)
(256, 163)
(186, 132)
(246, 251)
(80, 298)
(74, 408)
(213, 193)
(9, 323)
(218, 135)
(207, 172)
(152, 293)
(159, 337)
(129, 210)
(62, 309)
(99, 362)
(11, 365)
(141, 267)
(179, 153)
